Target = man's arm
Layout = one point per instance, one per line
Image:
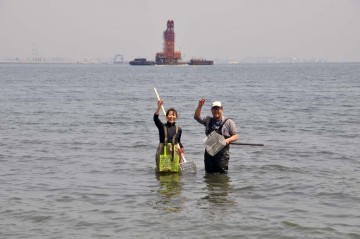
(232, 139)
(232, 131)
(197, 114)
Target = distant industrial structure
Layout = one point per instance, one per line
(119, 59)
(169, 56)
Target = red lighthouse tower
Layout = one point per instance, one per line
(169, 56)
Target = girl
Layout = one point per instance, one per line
(169, 134)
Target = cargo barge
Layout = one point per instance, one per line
(141, 62)
(200, 62)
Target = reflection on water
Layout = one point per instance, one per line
(219, 190)
(170, 198)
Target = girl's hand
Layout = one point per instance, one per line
(160, 103)
(178, 149)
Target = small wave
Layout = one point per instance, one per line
(290, 224)
(280, 168)
(38, 219)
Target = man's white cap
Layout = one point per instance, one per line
(216, 104)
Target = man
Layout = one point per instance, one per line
(222, 125)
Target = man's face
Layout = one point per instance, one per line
(217, 112)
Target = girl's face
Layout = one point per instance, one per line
(171, 117)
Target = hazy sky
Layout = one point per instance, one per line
(226, 29)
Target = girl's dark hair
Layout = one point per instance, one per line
(171, 109)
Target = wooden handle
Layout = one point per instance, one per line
(250, 144)
(158, 97)
(181, 153)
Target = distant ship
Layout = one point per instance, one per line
(141, 62)
(200, 62)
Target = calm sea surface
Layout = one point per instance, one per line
(77, 146)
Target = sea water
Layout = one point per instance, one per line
(78, 142)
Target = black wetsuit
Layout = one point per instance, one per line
(171, 128)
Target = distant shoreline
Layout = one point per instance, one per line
(220, 63)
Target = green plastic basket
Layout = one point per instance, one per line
(168, 163)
